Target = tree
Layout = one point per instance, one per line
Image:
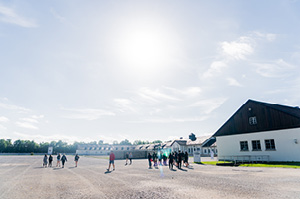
(100, 142)
(192, 137)
(3, 145)
(125, 142)
(156, 141)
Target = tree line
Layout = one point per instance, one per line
(30, 146)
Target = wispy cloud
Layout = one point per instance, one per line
(274, 69)
(185, 92)
(215, 68)
(238, 49)
(209, 105)
(9, 15)
(233, 82)
(13, 107)
(125, 105)
(57, 16)
(4, 119)
(2, 127)
(156, 95)
(26, 125)
(86, 114)
(171, 120)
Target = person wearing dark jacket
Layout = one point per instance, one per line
(45, 161)
(149, 160)
(186, 159)
(76, 159)
(179, 159)
(58, 160)
(63, 160)
(171, 160)
(50, 160)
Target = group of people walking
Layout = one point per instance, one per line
(175, 158)
(59, 158)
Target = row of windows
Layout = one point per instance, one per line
(205, 151)
(256, 146)
(108, 148)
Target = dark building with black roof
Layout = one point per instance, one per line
(261, 130)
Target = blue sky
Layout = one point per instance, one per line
(141, 70)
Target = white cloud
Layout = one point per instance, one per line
(171, 120)
(155, 95)
(26, 125)
(8, 15)
(268, 36)
(209, 105)
(274, 69)
(125, 105)
(189, 91)
(30, 120)
(58, 16)
(13, 107)
(4, 119)
(2, 127)
(86, 114)
(215, 68)
(233, 82)
(238, 49)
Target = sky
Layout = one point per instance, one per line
(141, 70)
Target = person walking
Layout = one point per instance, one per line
(76, 159)
(50, 160)
(58, 160)
(176, 158)
(186, 159)
(165, 159)
(149, 160)
(63, 160)
(154, 157)
(112, 158)
(179, 159)
(45, 161)
(130, 158)
(171, 160)
(127, 157)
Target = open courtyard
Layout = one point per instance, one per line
(24, 177)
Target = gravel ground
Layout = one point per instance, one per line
(24, 177)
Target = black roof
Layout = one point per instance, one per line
(269, 116)
(210, 142)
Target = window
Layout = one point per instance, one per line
(116, 148)
(252, 120)
(256, 145)
(244, 145)
(204, 150)
(270, 144)
(198, 149)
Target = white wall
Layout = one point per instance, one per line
(286, 148)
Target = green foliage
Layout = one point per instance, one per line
(139, 142)
(125, 142)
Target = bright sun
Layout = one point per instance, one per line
(145, 49)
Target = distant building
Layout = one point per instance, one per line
(260, 131)
(95, 149)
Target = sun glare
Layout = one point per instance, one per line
(145, 50)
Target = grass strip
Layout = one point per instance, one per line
(270, 164)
